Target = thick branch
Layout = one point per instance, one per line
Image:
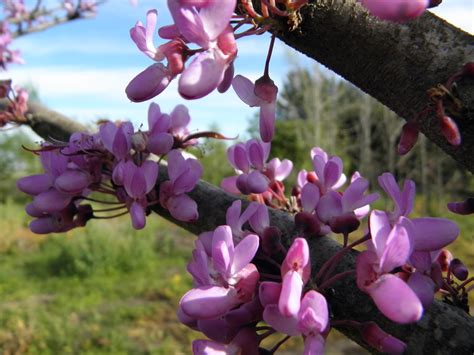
(394, 63)
(444, 329)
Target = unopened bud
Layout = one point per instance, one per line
(344, 224)
(408, 137)
(296, 191)
(458, 269)
(380, 340)
(271, 240)
(444, 259)
(464, 208)
(139, 141)
(450, 130)
(434, 3)
(468, 69)
(311, 177)
(307, 223)
(266, 89)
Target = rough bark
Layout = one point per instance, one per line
(443, 329)
(394, 63)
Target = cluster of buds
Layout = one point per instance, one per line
(442, 100)
(17, 106)
(116, 161)
(255, 175)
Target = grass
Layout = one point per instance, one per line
(106, 289)
(101, 289)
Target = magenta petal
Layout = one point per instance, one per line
(255, 154)
(257, 182)
(309, 197)
(149, 83)
(160, 143)
(281, 323)
(51, 201)
(229, 184)
(227, 79)
(72, 182)
(207, 347)
(318, 317)
(215, 16)
(395, 299)
(267, 121)
(180, 118)
(238, 157)
(332, 171)
(138, 216)
(290, 297)
(183, 208)
(221, 258)
(380, 228)
(424, 287)
(203, 75)
(259, 219)
(279, 170)
(314, 345)
(433, 233)
(244, 88)
(150, 171)
(208, 302)
(330, 205)
(244, 253)
(189, 23)
(107, 132)
(176, 164)
(218, 330)
(44, 225)
(32, 211)
(397, 250)
(157, 121)
(34, 184)
(269, 292)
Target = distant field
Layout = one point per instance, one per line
(105, 288)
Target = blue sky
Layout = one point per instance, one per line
(81, 68)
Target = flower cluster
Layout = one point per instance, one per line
(17, 103)
(255, 175)
(205, 24)
(410, 247)
(116, 161)
(7, 55)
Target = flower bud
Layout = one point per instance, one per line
(444, 259)
(344, 224)
(139, 141)
(408, 137)
(450, 130)
(307, 223)
(434, 3)
(468, 69)
(458, 269)
(266, 89)
(464, 208)
(380, 340)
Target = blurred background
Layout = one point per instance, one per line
(109, 289)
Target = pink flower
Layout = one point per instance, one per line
(390, 248)
(184, 174)
(396, 10)
(225, 278)
(253, 95)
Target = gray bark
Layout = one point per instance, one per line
(394, 63)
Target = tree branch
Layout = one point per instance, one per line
(394, 63)
(443, 329)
